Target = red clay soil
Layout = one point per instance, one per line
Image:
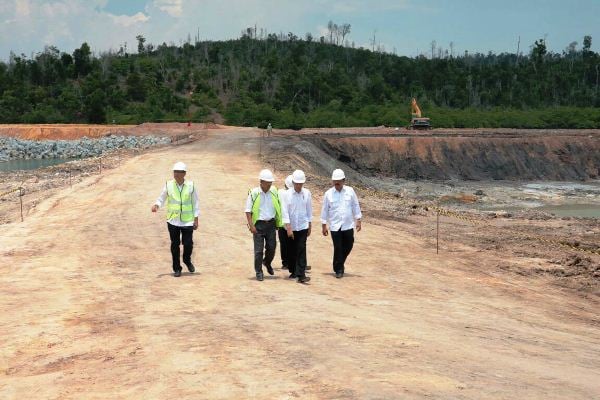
(76, 131)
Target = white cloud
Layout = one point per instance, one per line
(172, 7)
(26, 26)
(129, 20)
(22, 7)
(357, 6)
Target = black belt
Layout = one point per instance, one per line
(267, 220)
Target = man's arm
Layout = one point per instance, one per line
(196, 207)
(161, 200)
(309, 211)
(249, 213)
(356, 211)
(324, 214)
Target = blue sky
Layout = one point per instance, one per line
(406, 26)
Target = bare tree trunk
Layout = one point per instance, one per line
(373, 41)
(597, 73)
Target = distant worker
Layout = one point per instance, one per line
(182, 208)
(299, 213)
(282, 232)
(264, 215)
(269, 129)
(341, 212)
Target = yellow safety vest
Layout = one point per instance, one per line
(179, 202)
(255, 196)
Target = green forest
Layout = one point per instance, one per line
(296, 82)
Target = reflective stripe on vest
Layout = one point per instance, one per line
(255, 196)
(179, 202)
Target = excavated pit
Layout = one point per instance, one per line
(525, 158)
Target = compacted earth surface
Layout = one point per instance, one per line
(507, 307)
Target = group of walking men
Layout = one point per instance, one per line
(268, 211)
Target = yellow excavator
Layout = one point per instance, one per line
(418, 122)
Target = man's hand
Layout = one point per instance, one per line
(324, 229)
(290, 233)
(309, 229)
(252, 228)
(358, 225)
(195, 223)
(154, 208)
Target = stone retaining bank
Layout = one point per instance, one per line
(15, 149)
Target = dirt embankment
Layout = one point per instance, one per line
(76, 131)
(556, 157)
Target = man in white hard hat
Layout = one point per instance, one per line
(282, 232)
(264, 215)
(299, 211)
(341, 212)
(182, 215)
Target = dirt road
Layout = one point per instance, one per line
(89, 308)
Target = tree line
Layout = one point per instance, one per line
(296, 82)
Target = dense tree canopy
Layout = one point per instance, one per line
(295, 82)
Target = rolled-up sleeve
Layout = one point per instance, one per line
(161, 199)
(309, 207)
(284, 204)
(325, 209)
(249, 203)
(196, 202)
(355, 206)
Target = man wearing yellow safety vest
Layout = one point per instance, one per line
(182, 215)
(264, 215)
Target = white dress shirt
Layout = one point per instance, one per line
(340, 209)
(283, 194)
(299, 209)
(195, 206)
(267, 209)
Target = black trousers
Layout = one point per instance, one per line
(181, 234)
(283, 246)
(264, 241)
(297, 253)
(342, 246)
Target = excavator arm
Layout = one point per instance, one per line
(416, 111)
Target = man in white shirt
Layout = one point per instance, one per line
(183, 209)
(282, 232)
(264, 215)
(299, 212)
(340, 210)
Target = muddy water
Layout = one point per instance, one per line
(574, 210)
(563, 199)
(561, 210)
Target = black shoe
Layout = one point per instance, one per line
(293, 276)
(260, 277)
(308, 267)
(270, 270)
(191, 268)
(284, 267)
(339, 275)
(177, 273)
(304, 279)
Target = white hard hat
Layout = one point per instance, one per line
(288, 182)
(298, 176)
(179, 166)
(338, 175)
(266, 175)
